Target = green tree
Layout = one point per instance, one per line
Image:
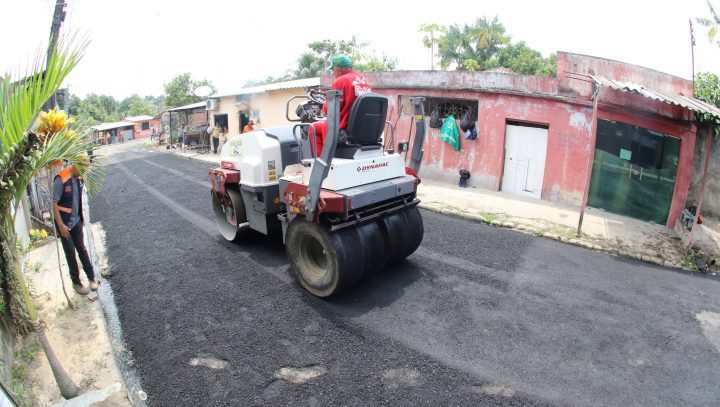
(179, 91)
(707, 89)
(485, 45)
(310, 65)
(74, 105)
(524, 60)
(480, 41)
(712, 23)
(22, 154)
(91, 110)
(135, 106)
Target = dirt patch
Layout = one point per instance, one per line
(77, 335)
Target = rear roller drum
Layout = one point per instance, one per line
(229, 214)
(415, 229)
(373, 247)
(323, 262)
(403, 233)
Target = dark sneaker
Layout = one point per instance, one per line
(94, 285)
(80, 289)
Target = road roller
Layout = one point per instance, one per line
(343, 214)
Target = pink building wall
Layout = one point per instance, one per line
(140, 134)
(562, 103)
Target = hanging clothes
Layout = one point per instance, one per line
(449, 133)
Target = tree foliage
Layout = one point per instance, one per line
(95, 109)
(179, 91)
(313, 62)
(712, 22)
(485, 45)
(707, 89)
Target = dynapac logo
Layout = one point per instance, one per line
(371, 167)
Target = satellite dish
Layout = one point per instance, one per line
(203, 91)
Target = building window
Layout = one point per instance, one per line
(145, 126)
(444, 107)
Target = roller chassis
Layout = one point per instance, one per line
(333, 236)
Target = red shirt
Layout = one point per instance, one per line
(353, 84)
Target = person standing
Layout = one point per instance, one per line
(69, 222)
(216, 137)
(249, 127)
(153, 134)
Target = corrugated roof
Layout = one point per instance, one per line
(138, 118)
(299, 83)
(114, 125)
(187, 107)
(693, 104)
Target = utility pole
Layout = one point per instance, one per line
(692, 50)
(58, 18)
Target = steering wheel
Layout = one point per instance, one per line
(317, 96)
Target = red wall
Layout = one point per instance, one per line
(154, 123)
(562, 103)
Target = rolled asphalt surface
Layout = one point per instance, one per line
(478, 315)
(601, 231)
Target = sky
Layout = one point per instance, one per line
(136, 46)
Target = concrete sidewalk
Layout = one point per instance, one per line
(601, 231)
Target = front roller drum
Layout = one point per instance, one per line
(324, 262)
(229, 212)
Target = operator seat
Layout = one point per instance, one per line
(365, 126)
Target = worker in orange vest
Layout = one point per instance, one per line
(69, 221)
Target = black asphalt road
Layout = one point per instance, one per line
(477, 316)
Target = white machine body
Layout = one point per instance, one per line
(258, 159)
(256, 156)
(347, 173)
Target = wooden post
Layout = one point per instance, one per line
(591, 157)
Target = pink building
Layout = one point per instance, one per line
(535, 135)
(144, 125)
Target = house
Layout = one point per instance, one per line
(116, 132)
(144, 125)
(617, 136)
(264, 105)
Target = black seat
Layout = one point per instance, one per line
(365, 125)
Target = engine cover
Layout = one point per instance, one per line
(347, 173)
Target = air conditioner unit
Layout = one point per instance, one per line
(211, 104)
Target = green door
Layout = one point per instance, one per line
(634, 171)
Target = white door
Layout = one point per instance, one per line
(525, 149)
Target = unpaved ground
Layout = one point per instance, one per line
(78, 336)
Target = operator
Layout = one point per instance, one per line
(353, 84)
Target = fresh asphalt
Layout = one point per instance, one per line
(477, 316)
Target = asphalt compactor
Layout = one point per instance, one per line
(344, 214)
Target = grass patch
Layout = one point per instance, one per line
(688, 261)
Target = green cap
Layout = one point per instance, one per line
(340, 61)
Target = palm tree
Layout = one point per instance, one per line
(712, 23)
(430, 41)
(488, 36)
(22, 155)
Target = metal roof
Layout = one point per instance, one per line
(138, 118)
(299, 83)
(114, 125)
(188, 107)
(693, 104)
